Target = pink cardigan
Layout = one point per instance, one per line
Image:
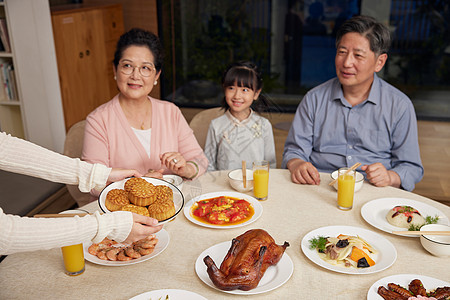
(110, 140)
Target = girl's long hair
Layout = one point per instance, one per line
(245, 74)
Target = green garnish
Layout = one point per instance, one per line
(414, 227)
(431, 220)
(428, 220)
(407, 209)
(318, 243)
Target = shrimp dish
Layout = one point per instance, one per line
(114, 251)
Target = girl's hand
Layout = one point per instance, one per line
(176, 163)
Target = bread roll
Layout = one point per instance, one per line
(404, 216)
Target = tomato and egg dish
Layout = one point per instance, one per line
(222, 210)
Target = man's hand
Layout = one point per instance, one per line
(142, 227)
(379, 176)
(303, 172)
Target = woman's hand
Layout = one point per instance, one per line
(142, 227)
(176, 163)
(119, 174)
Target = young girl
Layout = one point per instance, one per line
(240, 134)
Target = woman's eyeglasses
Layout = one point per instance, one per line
(145, 70)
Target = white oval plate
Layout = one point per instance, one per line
(255, 203)
(429, 283)
(171, 293)
(163, 242)
(274, 277)
(385, 257)
(375, 211)
(178, 198)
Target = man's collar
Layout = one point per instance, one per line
(375, 89)
(374, 94)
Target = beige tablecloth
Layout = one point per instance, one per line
(290, 212)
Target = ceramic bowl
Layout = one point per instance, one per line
(237, 182)
(358, 182)
(438, 245)
(174, 179)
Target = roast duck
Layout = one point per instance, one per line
(247, 260)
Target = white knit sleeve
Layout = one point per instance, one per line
(115, 226)
(19, 234)
(23, 157)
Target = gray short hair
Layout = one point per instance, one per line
(378, 35)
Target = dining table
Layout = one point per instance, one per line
(290, 212)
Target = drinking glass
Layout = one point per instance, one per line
(261, 179)
(73, 259)
(346, 188)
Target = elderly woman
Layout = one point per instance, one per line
(134, 130)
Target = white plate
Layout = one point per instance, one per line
(385, 257)
(255, 203)
(75, 211)
(178, 198)
(173, 295)
(429, 283)
(375, 211)
(274, 277)
(163, 242)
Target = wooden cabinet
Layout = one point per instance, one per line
(30, 106)
(85, 41)
(138, 14)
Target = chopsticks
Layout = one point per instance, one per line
(59, 215)
(422, 232)
(351, 169)
(244, 173)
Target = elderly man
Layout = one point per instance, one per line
(356, 117)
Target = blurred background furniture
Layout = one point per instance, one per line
(73, 147)
(200, 123)
(30, 99)
(25, 195)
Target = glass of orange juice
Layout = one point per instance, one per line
(73, 259)
(346, 188)
(261, 179)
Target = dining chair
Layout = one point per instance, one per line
(73, 146)
(200, 123)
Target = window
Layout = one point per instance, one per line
(293, 43)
